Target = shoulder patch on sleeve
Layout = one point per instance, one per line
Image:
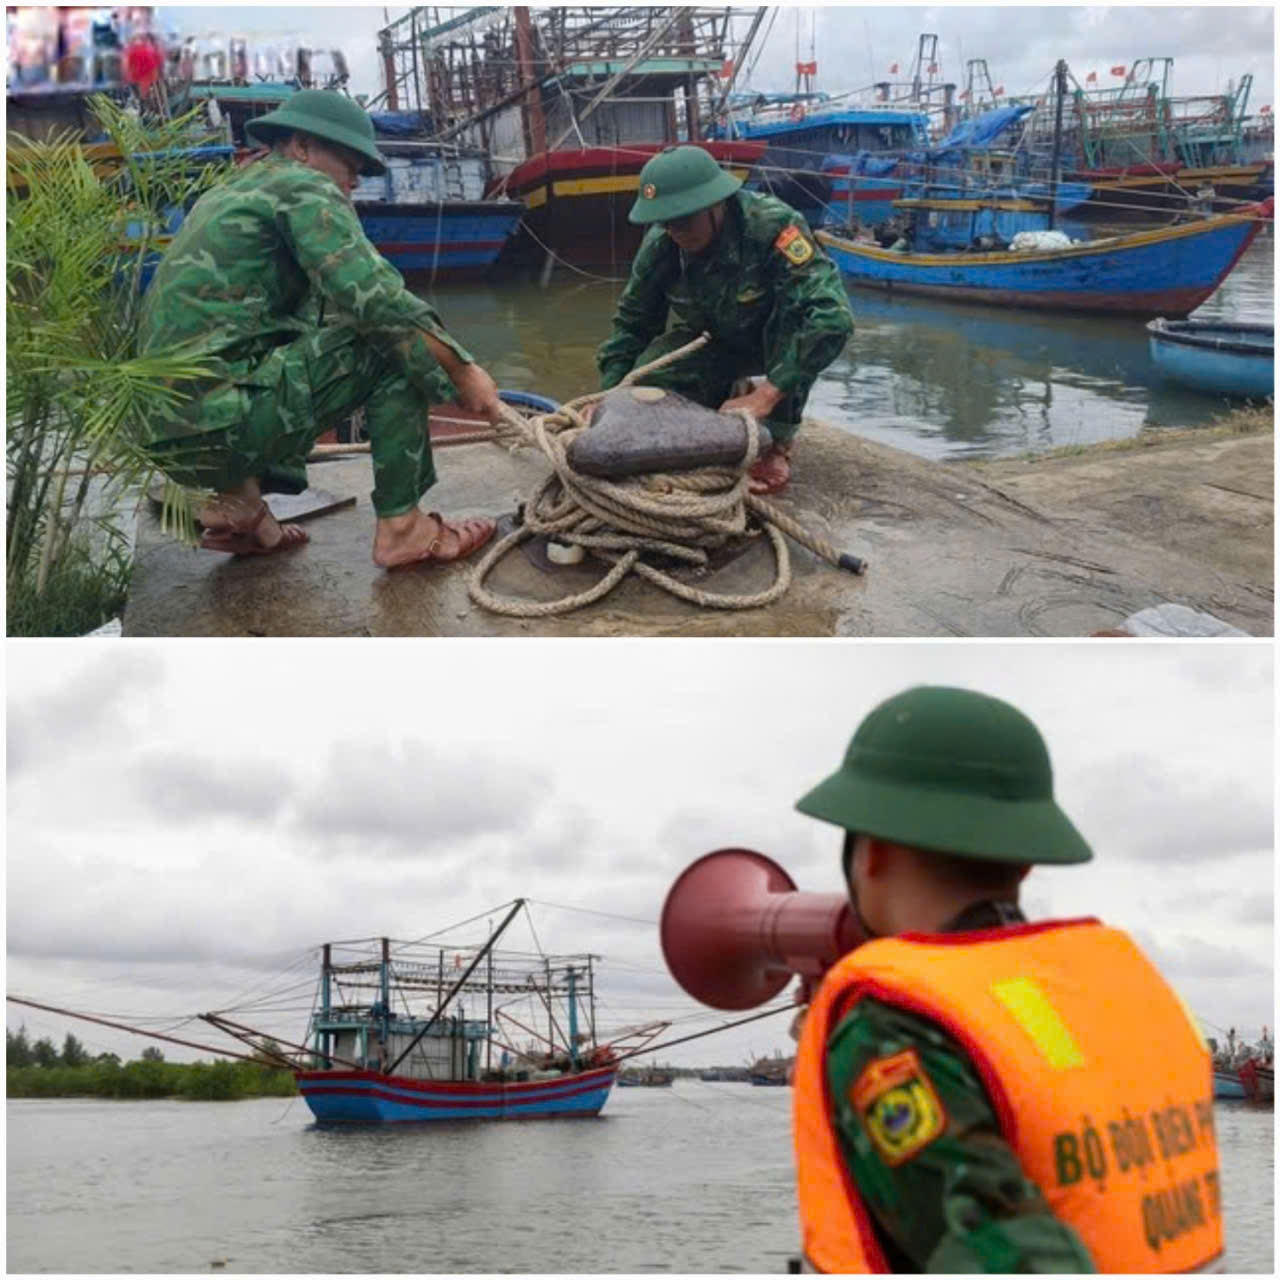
(793, 246)
(898, 1106)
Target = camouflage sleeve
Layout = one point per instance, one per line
(811, 320)
(323, 232)
(922, 1145)
(641, 315)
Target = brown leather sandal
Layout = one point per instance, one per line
(241, 540)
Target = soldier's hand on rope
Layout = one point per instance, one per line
(760, 402)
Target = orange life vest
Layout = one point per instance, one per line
(1101, 1083)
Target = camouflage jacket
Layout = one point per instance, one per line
(962, 1202)
(260, 261)
(764, 288)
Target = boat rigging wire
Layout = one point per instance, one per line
(588, 911)
(135, 1031)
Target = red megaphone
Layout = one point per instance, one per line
(735, 930)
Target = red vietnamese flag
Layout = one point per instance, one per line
(997, 91)
(1264, 111)
(964, 95)
(933, 68)
(1119, 71)
(726, 70)
(893, 69)
(806, 68)
(1091, 78)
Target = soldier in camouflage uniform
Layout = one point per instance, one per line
(272, 279)
(744, 268)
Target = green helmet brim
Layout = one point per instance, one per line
(680, 204)
(941, 821)
(276, 124)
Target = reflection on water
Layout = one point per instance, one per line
(945, 380)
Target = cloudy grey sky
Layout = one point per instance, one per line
(856, 44)
(186, 822)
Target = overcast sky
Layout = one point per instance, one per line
(855, 45)
(187, 822)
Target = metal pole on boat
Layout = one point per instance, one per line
(324, 1039)
(384, 982)
(1060, 94)
(488, 1044)
(591, 998)
(573, 1020)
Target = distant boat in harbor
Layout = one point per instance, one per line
(645, 1078)
(771, 1072)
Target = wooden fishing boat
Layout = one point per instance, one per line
(391, 1042)
(570, 103)
(1258, 1079)
(1218, 356)
(1169, 271)
(1227, 1086)
(576, 202)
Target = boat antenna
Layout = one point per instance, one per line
(457, 986)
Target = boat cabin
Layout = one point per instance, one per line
(946, 224)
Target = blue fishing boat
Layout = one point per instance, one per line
(1227, 1085)
(1216, 355)
(814, 146)
(1169, 271)
(428, 213)
(409, 1032)
(979, 159)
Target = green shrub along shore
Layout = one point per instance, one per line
(40, 1071)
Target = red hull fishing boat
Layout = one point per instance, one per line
(569, 103)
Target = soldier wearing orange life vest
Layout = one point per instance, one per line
(974, 1092)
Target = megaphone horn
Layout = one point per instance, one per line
(735, 929)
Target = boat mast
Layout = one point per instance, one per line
(591, 998)
(1060, 93)
(573, 1020)
(488, 1044)
(323, 1041)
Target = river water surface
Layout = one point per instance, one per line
(943, 380)
(695, 1178)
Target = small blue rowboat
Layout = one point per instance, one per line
(1218, 356)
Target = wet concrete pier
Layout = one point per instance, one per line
(1061, 546)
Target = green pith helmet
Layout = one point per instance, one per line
(680, 181)
(951, 771)
(326, 114)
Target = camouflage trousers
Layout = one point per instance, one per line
(707, 377)
(298, 392)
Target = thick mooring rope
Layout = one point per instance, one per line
(679, 515)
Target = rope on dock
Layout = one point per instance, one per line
(681, 516)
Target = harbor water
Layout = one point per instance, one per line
(693, 1178)
(939, 379)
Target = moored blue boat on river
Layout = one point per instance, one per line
(1168, 271)
(1229, 359)
(392, 1042)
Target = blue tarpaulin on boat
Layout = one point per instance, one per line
(982, 130)
(872, 164)
(401, 124)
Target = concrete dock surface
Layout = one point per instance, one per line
(1054, 546)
